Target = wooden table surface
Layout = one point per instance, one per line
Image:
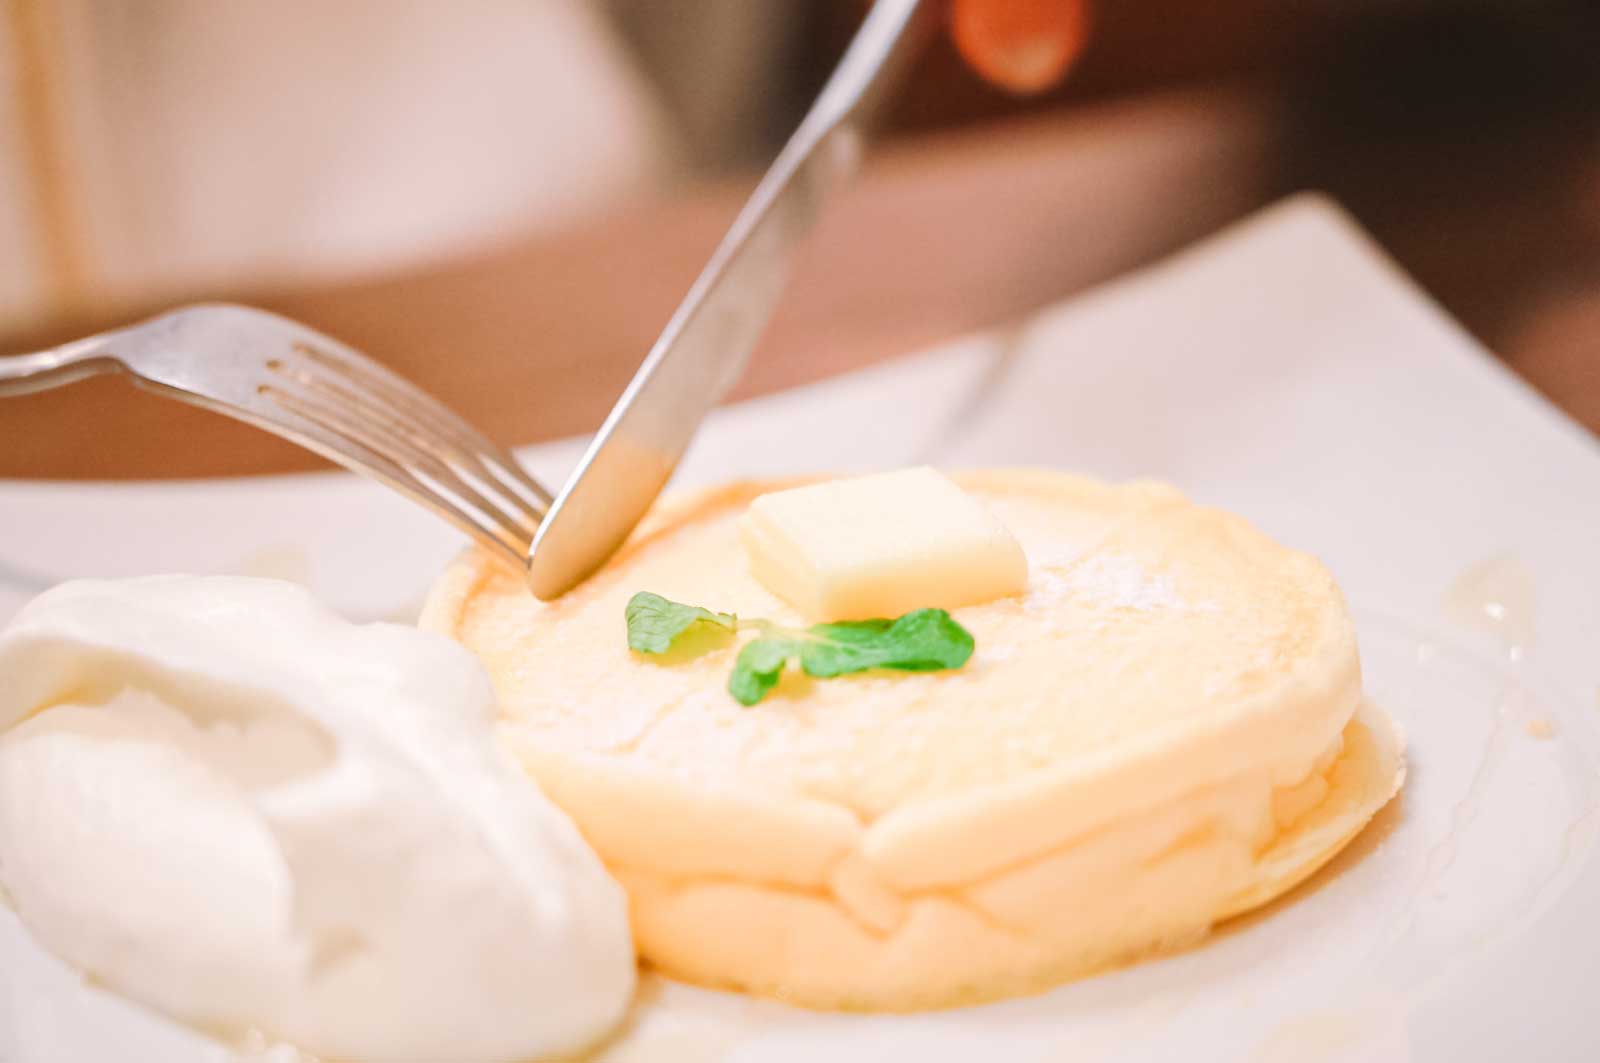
(943, 235)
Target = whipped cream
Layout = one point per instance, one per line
(223, 801)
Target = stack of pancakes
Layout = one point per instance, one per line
(1166, 729)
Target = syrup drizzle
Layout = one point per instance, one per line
(1495, 595)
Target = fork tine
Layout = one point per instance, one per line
(382, 439)
(407, 397)
(363, 460)
(442, 483)
(384, 428)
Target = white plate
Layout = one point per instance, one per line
(1285, 370)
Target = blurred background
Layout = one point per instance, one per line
(505, 199)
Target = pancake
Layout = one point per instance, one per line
(1166, 729)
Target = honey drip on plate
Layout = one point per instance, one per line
(1497, 596)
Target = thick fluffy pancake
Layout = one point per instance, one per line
(1162, 732)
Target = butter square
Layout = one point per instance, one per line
(880, 546)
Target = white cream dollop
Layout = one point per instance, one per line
(224, 801)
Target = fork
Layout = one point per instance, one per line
(296, 382)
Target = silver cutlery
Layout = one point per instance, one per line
(295, 382)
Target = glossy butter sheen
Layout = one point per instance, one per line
(880, 546)
(1166, 728)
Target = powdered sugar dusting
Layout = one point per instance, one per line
(1109, 581)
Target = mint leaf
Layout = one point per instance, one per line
(758, 666)
(925, 640)
(654, 622)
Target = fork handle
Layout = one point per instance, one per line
(22, 374)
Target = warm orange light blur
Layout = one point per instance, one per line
(1021, 45)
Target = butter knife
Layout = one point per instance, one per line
(707, 343)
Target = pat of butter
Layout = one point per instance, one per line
(880, 546)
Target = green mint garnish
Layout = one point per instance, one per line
(756, 669)
(923, 640)
(654, 622)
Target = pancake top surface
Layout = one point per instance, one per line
(1147, 620)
